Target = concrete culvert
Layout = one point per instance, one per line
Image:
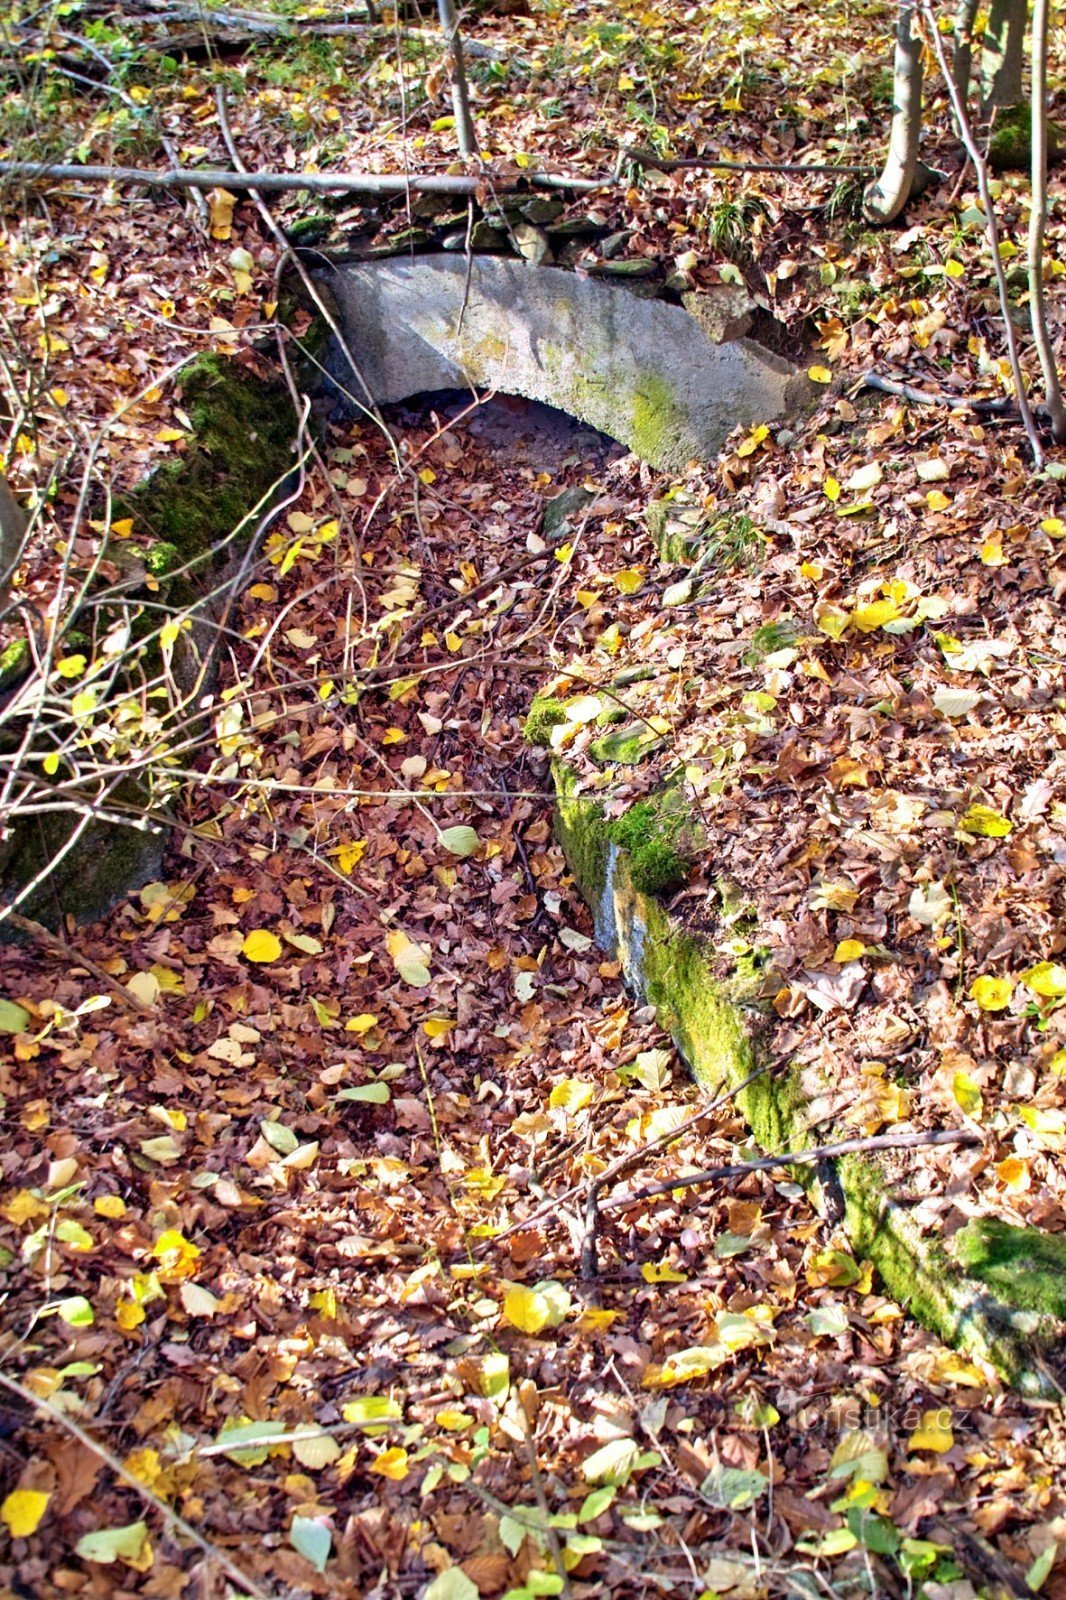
(646, 372)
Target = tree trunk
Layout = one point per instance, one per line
(962, 64)
(885, 198)
(464, 122)
(1037, 222)
(13, 525)
(1001, 54)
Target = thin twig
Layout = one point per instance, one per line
(62, 1420)
(798, 1158)
(631, 1158)
(980, 166)
(58, 946)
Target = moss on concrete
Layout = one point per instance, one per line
(653, 834)
(545, 713)
(241, 445)
(625, 747)
(716, 1014)
(656, 419)
(1026, 1265)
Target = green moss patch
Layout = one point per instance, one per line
(1026, 1265)
(1003, 1295)
(545, 713)
(1010, 147)
(241, 446)
(653, 833)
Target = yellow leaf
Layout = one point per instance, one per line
(876, 615)
(571, 1094)
(220, 205)
(129, 1315)
(1054, 527)
(1047, 979)
(933, 1432)
(832, 621)
(111, 1206)
(260, 945)
(967, 1095)
(531, 1310)
(630, 580)
(748, 446)
(362, 1023)
(393, 736)
(812, 570)
(349, 853)
(695, 1362)
(409, 959)
(22, 1511)
(71, 666)
(992, 551)
(849, 950)
(831, 489)
(661, 1272)
(60, 396)
(992, 994)
(819, 374)
(937, 500)
(169, 435)
(954, 269)
(453, 642)
(1013, 1173)
(437, 1027)
(391, 1463)
(177, 1256)
(985, 823)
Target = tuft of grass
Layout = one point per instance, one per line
(779, 635)
(731, 223)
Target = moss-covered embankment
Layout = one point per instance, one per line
(1000, 1294)
(175, 538)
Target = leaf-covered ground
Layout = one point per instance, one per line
(378, 1031)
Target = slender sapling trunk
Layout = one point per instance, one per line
(885, 198)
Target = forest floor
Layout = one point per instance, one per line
(273, 1201)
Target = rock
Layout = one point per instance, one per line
(561, 507)
(488, 235)
(579, 228)
(614, 244)
(634, 267)
(533, 244)
(542, 209)
(724, 312)
(640, 370)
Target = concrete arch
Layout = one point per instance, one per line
(643, 371)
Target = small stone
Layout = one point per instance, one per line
(614, 244)
(541, 209)
(723, 312)
(635, 267)
(533, 244)
(786, 437)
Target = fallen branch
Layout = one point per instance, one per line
(798, 1158)
(374, 183)
(51, 941)
(648, 158)
(929, 397)
(631, 1158)
(170, 1516)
